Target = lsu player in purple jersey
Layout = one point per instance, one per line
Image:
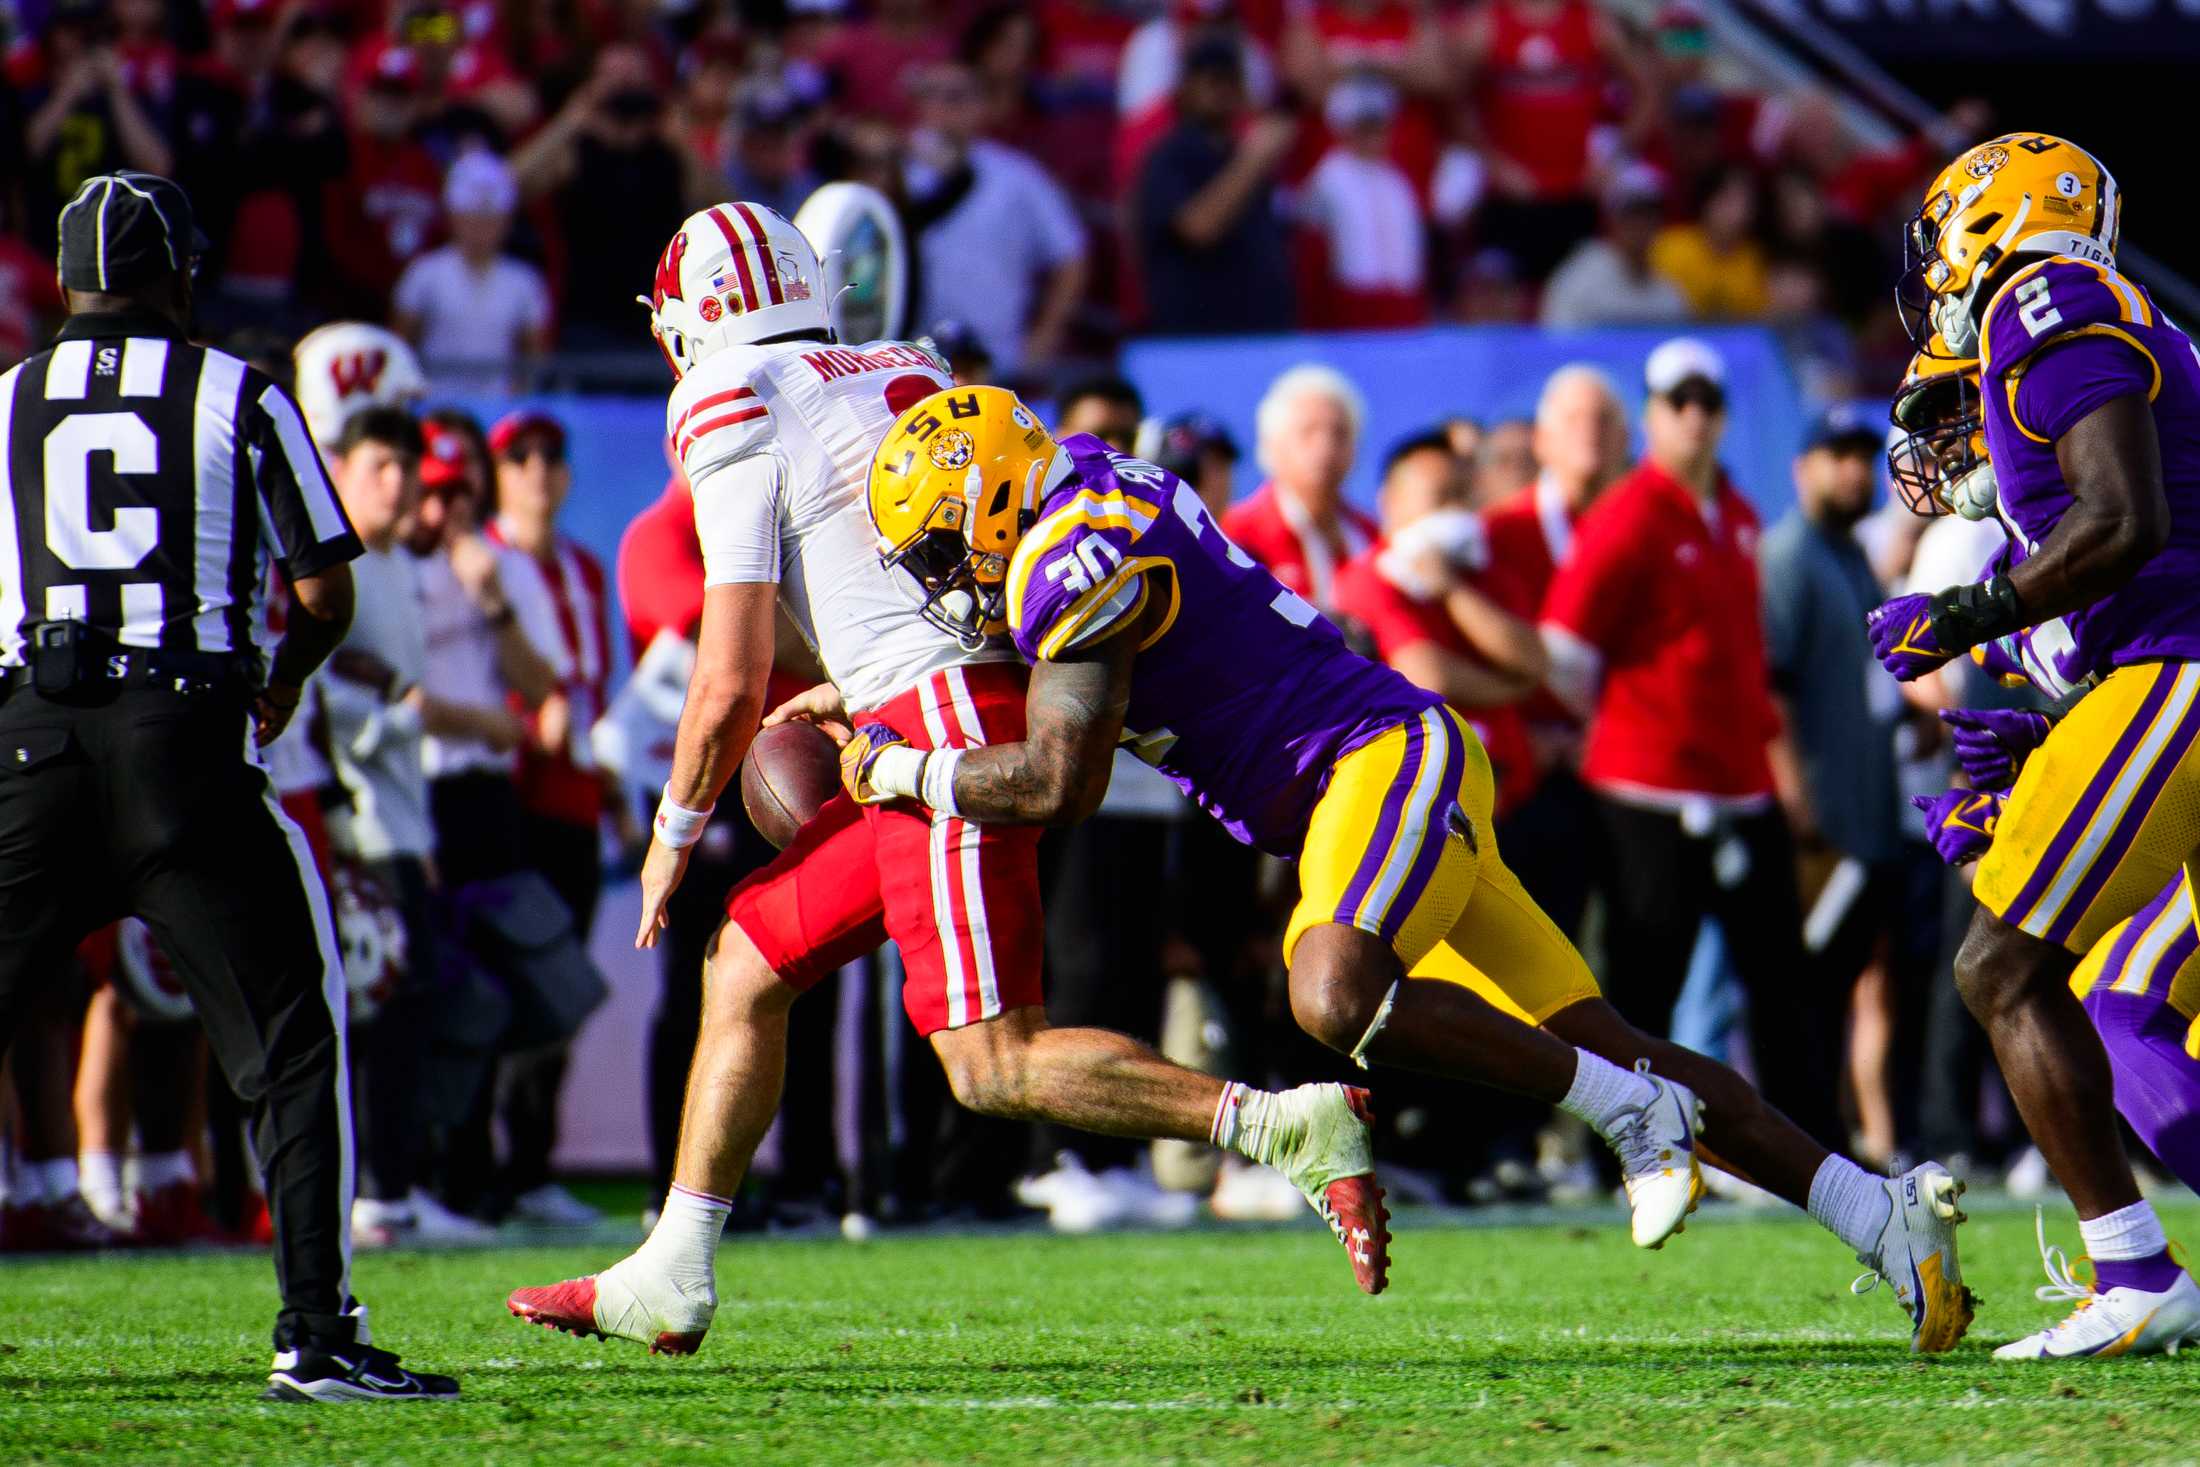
(2140, 983)
(2090, 404)
(1412, 944)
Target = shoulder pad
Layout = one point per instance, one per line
(1083, 549)
(715, 416)
(2058, 297)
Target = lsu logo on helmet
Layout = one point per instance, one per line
(2016, 197)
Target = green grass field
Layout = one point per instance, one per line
(1551, 1343)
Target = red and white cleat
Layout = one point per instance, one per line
(1332, 1162)
(174, 1217)
(630, 1300)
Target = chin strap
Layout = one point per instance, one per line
(1375, 1026)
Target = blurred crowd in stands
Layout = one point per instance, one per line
(1697, 777)
(485, 174)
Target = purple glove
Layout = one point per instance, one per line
(1911, 635)
(1960, 823)
(1991, 742)
(1902, 637)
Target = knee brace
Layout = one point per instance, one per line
(1375, 1025)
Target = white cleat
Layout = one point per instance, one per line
(1916, 1257)
(1330, 1158)
(1656, 1146)
(2105, 1325)
(631, 1300)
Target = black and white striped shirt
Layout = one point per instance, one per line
(145, 485)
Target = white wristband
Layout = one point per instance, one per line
(676, 825)
(895, 770)
(939, 780)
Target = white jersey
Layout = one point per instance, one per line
(776, 442)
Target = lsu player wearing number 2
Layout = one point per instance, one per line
(1412, 943)
(775, 423)
(2091, 408)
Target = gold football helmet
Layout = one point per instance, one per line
(1938, 461)
(2019, 196)
(954, 486)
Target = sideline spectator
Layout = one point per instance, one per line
(1197, 449)
(1108, 408)
(1298, 523)
(1504, 462)
(1607, 281)
(1153, 66)
(1655, 635)
(967, 360)
(475, 312)
(1373, 250)
(1422, 592)
(877, 63)
(1580, 444)
(1840, 792)
(377, 711)
(766, 164)
(1211, 241)
(973, 200)
(1542, 69)
(383, 209)
(620, 192)
(83, 117)
(1714, 260)
(562, 795)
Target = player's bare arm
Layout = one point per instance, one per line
(321, 614)
(725, 699)
(2118, 518)
(1073, 720)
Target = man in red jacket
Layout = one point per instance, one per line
(1298, 524)
(1654, 631)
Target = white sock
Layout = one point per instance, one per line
(1849, 1202)
(1248, 1122)
(99, 1173)
(685, 1239)
(1602, 1090)
(2126, 1234)
(164, 1170)
(54, 1181)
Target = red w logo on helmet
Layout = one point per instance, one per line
(668, 269)
(359, 372)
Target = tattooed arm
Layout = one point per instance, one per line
(1073, 719)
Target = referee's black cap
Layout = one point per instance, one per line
(125, 230)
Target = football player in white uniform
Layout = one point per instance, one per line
(775, 423)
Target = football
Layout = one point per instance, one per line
(791, 770)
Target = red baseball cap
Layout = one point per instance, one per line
(395, 69)
(513, 425)
(442, 458)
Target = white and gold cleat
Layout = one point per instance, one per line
(1916, 1257)
(2104, 1325)
(1656, 1146)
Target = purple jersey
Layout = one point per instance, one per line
(1246, 696)
(2109, 340)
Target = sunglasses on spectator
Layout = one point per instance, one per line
(527, 448)
(1696, 392)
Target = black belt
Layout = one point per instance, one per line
(145, 667)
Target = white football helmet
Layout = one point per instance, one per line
(347, 365)
(735, 274)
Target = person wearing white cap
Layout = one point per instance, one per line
(472, 310)
(1656, 637)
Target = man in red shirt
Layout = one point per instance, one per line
(1580, 445)
(1298, 524)
(1654, 630)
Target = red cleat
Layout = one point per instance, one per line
(628, 1301)
(68, 1226)
(1330, 1158)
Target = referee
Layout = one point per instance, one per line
(145, 483)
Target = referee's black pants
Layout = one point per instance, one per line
(1662, 880)
(145, 801)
